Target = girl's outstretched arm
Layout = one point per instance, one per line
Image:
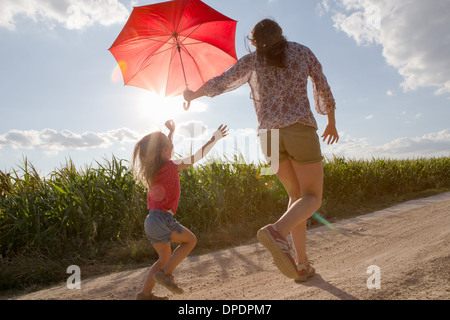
(171, 126)
(221, 133)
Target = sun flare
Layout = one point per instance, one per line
(116, 76)
(160, 109)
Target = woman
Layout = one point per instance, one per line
(278, 74)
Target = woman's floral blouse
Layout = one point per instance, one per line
(280, 94)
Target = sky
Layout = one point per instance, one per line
(62, 96)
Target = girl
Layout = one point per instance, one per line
(152, 166)
(278, 74)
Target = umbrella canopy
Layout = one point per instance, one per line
(168, 46)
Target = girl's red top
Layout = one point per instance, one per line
(165, 193)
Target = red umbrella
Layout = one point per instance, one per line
(166, 47)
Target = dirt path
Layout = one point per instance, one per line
(409, 243)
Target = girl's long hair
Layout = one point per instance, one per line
(147, 160)
(267, 37)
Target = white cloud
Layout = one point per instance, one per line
(413, 34)
(20, 139)
(123, 135)
(437, 143)
(72, 14)
(53, 141)
(434, 144)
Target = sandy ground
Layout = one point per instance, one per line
(409, 244)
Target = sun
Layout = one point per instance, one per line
(159, 109)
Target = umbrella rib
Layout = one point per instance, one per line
(162, 24)
(170, 33)
(182, 15)
(211, 46)
(195, 62)
(168, 73)
(189, 54)
(200, 42)
(146, 59)
(189, 35)
(129, 41)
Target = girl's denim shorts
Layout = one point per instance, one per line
(159, 226)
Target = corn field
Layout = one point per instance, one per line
(85, 211)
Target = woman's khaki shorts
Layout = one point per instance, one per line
(298, 142)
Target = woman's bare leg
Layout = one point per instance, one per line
(310, 179)
(288, 177)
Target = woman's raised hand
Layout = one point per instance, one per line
(188, 95)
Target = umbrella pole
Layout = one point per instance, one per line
(187, 105)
